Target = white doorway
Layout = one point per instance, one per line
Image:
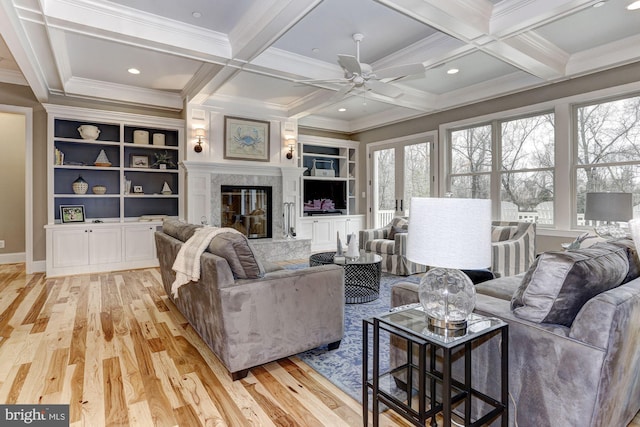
(398, 170)
(19, 131)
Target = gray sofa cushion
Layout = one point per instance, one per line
(632, 256)
(558, 284)
(502, 288)
(178, 229)
(235, 248)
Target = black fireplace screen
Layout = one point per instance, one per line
(247, 209)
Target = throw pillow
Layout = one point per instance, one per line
(396, 230)
(178, 229)
(500, 233)
(235, 248)
(558, 284)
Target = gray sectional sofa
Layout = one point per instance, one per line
(574, 337)
(248, 314)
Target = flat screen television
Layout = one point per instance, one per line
(324, 189)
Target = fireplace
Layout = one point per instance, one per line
(248, 209)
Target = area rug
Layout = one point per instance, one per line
(343, 367)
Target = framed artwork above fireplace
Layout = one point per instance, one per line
(246, 139)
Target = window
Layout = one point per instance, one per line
(522, 176)
(607, 152)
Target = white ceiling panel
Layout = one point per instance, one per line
(104, 60)
(331, 25)
(263, 88)
(595, 26)
(240, 52)
(474, 68)
(216, 15)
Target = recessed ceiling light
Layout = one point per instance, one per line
(634, 6)
(196, 14)
(600, 3)
(453, 71)
(133, 71)
(315, 50)
(342, 109)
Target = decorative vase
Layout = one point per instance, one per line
(353, 251)
(99, 189)
(80, 186)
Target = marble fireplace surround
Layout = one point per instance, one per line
(204, 182)
(275, 182)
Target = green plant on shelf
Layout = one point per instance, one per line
(163, 159)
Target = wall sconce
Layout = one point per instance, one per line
(200, 134)
(291, 142)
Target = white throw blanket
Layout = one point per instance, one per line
(187, 263)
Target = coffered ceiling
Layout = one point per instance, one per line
(227, 53)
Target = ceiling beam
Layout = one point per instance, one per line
(264, 23)
(17, 41)
(472, 22)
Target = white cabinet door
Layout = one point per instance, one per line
(323, 234)
(348, 225)
(70, 247)
(139, 243)
(105, 245)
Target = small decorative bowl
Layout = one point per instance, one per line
(99, 189)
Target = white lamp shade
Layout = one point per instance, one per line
(608, 207)
(450, 233)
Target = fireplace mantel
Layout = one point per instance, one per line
(241, 168)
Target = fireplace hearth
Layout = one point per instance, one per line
(247, 209)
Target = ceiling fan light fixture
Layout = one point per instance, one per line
(634, 6)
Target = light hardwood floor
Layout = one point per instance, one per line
(114, 348)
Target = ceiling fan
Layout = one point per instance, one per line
(358, 75)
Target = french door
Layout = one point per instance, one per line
(398, 171)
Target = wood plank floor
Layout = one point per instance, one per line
(114, 348)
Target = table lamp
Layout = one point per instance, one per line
(608, 207)
(449, 234)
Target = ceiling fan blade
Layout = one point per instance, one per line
(350, 64)
(384, 88)
(321, 81)
(399, 71)
(341, 93)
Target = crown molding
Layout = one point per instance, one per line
(13, 77)
(110, 91)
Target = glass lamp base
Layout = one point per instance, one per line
(448, 297)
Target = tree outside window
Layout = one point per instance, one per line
(525, 166)
(608, 150)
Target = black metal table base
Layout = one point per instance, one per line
(421, 361)
(361, 280)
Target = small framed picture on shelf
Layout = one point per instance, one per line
(137, 189)
(139, 161)
(71, 213)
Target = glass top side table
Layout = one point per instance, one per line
(429, 357)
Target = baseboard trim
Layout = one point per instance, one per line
(13, 258)
(38, 267)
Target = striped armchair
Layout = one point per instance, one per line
(392, 250)
(513, 247)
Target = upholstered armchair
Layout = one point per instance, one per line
(390, 242)
(513, 246)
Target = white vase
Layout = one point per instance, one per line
(352, 247)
